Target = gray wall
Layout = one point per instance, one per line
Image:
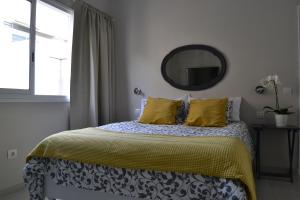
(258, 38)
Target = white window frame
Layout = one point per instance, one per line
(28, 95)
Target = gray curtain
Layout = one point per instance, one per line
(92, 72)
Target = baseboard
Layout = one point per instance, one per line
(12, 189)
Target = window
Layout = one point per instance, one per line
(14, 44)
(35, 48)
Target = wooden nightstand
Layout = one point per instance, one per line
(291, 132)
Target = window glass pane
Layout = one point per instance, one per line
(14, 44)
(53, 50)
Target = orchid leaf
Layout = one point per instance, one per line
(272, 82)
(269, 108)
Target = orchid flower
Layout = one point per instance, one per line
(272, 82)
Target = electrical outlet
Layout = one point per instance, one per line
(260, 114)
(12, 154)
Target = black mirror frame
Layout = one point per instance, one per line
(213, 82)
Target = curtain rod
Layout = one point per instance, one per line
(69, 5)
(72, 3)
(92, 7)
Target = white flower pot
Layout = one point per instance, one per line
(281, 120)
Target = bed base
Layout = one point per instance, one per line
(55, 192)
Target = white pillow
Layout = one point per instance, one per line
(143, 104)
(181, 113)
(233, 108)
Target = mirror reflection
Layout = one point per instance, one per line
(193, 67)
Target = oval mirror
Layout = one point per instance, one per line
(193, 67)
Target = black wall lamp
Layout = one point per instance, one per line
(138, 92)
(259, 89)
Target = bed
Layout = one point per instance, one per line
(58, 178)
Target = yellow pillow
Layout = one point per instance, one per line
(207, 112)
(160, 111)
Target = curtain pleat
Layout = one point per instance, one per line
(92, 73)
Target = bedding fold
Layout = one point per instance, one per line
(225, 157)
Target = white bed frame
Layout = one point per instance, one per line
(53, 191)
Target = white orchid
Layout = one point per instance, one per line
(272, 82)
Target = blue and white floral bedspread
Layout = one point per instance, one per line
(142, 184)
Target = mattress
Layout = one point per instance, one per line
(138, 183)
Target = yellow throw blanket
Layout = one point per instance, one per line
(224, 157)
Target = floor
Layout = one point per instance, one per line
(278, 190)
(19, 195)
(266, 190)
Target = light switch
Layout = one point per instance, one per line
(287, 91)
(12, 154)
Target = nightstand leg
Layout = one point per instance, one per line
(291, 152)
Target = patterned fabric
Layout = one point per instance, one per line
(141, 184)
(233, 109)
(229, 111)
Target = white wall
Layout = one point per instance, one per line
(258, 38)
(23, 125)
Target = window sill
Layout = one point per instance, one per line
(7, 98)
